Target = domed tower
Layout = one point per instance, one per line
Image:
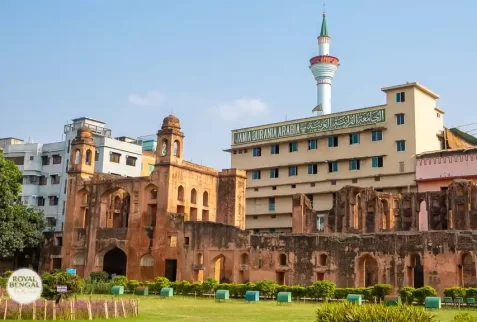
(83, 152)
(170, 141)
(324, 68)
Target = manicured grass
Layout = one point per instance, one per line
(188, 309)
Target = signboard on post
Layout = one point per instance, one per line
(71, 271)
(61, 289)
(24, 286)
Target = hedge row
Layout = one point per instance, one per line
(469, 292)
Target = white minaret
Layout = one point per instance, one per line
(324, 68)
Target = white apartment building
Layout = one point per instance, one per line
(44, 166)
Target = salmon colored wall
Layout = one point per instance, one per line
(436, 172)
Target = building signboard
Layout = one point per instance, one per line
(321, 124)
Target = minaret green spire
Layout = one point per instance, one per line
(324, 29)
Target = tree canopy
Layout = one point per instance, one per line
(21, 226)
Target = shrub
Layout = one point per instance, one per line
(99, 276)
(322, 289)
(471, 292)
(52, 280)
(371, 313)
(209, 285)
(132, 284)
(465, 317)
(455, 292)
(267, 288)
(381, 290)
(420, 294)
(407, 294)
(3, 282)
(120, 280)
(7, 273)
(160, 283)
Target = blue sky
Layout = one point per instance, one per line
(130, 63)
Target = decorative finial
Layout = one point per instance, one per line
(324, 7)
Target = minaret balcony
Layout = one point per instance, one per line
(325, 60)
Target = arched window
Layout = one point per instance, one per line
(88, 157)
(323, 259)
(180, 193)
(199, 259)
(205, 199)
(283, 259)
(153, 194)
(244, 259)
(146, 261)
(77, 156)
(177, 148)
(164, 147)
(193, 196)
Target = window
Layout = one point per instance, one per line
(400, 97)
(66, 185)
(45, 160)
(310, 197)
(257, 152)
(68, 147)
(332, 141)
(40, 201)
(88, 158)
(131, 161)
(333, 166)
(376, 135)
(377, 162)
(354, 164)
(43, 181)
(293, 186)
(292, 171)
(312, 144)
(313, 168)
(274, 173)
(354, 180)
(438, 115)
(320, 222)
(255, 217)
(354, 138)
(271, 204)
(274, 188)
(186, 241)
(57, 159)
(96, 156)
(255, 189)
(401, 166)
(114, 157)
(293, 147)
(55, 179)
(399, 119)
(256, 175)
(53, 200)
(401, 145)
(275, 149)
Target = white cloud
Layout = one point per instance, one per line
(244, 107)
(151, 98)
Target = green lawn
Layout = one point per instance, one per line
(188, 309)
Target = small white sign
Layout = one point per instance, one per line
(61, 289)
(24, 286)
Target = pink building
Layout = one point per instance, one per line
(436, 170)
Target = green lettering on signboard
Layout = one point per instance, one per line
(321, 124)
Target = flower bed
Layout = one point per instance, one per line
(68, 310)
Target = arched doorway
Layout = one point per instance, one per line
(114, 262)
(219, 268)
(423, 216)
(114, 209)
(368, 270)
(467, 270)
(416, 271)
